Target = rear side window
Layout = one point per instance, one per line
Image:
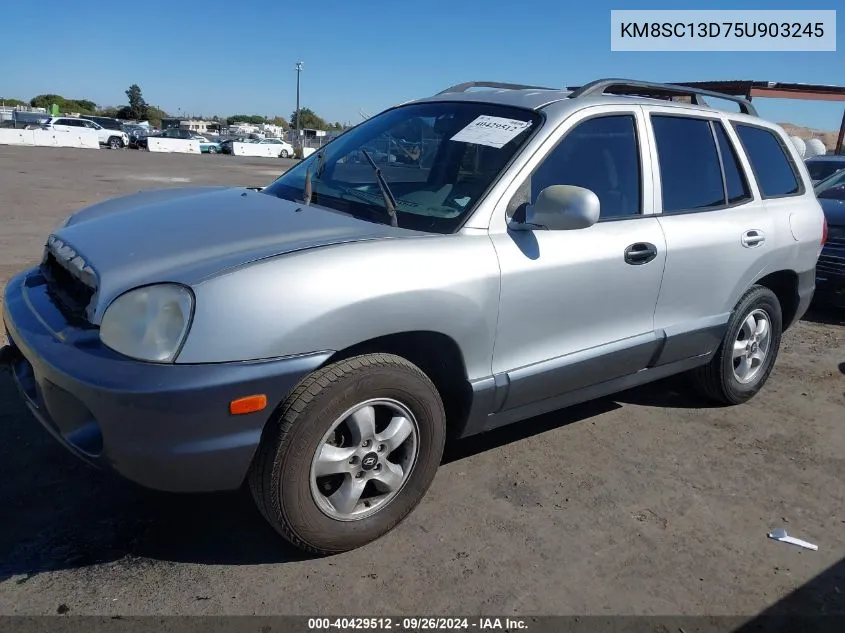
(690, 172)
(773, 169)
(735, 181)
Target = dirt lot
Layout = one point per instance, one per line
(651, 502)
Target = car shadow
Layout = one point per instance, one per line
(817, 605)
(457, 450)
(674, 392)
(63, 514)
(824, 314)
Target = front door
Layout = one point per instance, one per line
(577, 306)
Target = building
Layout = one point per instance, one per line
(199, 126)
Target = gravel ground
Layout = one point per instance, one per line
(651, 502)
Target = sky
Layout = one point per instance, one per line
(205, 57)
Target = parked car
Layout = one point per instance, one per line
(830, 270)
(136, 132)
(226, 145)
(285, 148)
(318, 339)
(173, 132)
(109, 123)
(280, 148)
(207, 146)
(113, 139)
(821, 167)
(834, 180)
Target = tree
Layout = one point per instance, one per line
(11, 102)
(154, 115)
(255, 119)
(308, 120)
(109, 111)
(137, 106)
(280, 121)
(84, 106)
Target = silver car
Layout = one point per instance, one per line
(320, 339)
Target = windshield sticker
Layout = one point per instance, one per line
(492, 131)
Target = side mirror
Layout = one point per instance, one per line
(562, 208)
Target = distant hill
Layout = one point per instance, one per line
(805, 133)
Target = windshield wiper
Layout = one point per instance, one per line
(389, 200)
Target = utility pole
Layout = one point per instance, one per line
(298, 73)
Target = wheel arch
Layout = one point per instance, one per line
(438, 355)
(784, 284)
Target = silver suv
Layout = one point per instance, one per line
(452, 265)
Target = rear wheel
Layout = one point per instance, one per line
(212, 150)
(744, 360)
(350, 453)
(284, 154)
(115, 143)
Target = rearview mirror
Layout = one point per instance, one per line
(562, 208)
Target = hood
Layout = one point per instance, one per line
(834, 211)
(187, 235)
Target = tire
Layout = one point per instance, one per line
(719, 379)
(212, 150)
(115, 143)
(284, 154)
(282, 479)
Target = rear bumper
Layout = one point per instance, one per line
(166, 427)
(806, 291)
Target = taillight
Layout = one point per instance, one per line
(824, 231)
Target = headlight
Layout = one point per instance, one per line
(149, 323)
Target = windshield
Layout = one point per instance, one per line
(437, 159)
(838, 178)
(820, 169)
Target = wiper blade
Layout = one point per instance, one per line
(389, 200)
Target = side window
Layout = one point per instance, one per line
(773, 169)
(602, 155)
(690, 173)
(735, 181)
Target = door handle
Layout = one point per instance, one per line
(753, 238)
(640, 253)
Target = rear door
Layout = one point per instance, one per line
(719, 235)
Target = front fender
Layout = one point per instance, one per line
(330, 298)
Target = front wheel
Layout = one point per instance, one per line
(350, 453)
(747, 354)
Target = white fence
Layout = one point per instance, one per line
(173, 145)
(264, 150)
(50, 138)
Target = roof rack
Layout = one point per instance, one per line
(647, 88)
(489, 84)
